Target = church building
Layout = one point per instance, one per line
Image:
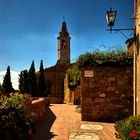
(55, 75)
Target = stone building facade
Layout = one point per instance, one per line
(55, 75)
(133, 45)
(107, 93)
(137, 58)
(130, 45)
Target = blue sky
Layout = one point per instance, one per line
(29, 29)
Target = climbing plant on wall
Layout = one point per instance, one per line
(97, 58)
(73, 76)
(112, 58)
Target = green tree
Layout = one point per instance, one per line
(23, 82)
(32, 81)
(7, 84)
(74, 76)
(41, 81)
(1, 89)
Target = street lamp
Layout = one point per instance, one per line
(111, 17)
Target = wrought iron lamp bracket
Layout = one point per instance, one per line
(120, 30)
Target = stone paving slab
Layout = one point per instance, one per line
(91, 127)
(83, 136)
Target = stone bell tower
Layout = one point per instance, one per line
(63, 46)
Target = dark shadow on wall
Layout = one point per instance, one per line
(44, 125)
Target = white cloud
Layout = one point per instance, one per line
(14, 78)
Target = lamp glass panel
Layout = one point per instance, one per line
(110, 16)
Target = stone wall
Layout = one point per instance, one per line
(67, 92)
(55, 100)
(55, 78)
(39, 107)
(130, 45)
(137, 54)
(107, 93)
(71, 96)
(75, 96)
(51, 100)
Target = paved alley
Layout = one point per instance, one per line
(62, 122)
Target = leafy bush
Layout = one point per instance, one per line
(113, 58)
(16, 119)
(128, 129)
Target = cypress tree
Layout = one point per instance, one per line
(7, 84)
(32, 81)
(1, 89)
(26, 83)
(23, 82)
(41, 81)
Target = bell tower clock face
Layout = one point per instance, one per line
(63, 44)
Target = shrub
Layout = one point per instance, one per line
(112, 58)
(16, 119)
(128, 129)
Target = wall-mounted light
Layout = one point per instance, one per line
(111, 17)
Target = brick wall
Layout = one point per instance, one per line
(107, 93)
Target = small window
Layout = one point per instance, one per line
(63, 44)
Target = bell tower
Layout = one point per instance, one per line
(63, 45)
